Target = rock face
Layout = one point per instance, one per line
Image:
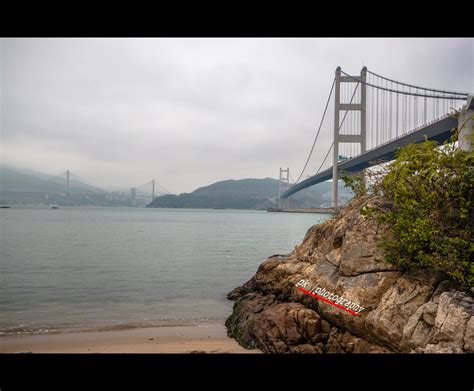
(411, 311)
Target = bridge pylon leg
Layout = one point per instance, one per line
(466, 125)
(360, 138)
(284, 185)
(335, 151)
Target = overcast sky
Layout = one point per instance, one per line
(190, 112)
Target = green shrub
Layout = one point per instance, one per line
(356, 183)
(429, 191)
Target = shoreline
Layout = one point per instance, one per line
(49, 330)
(164, 339)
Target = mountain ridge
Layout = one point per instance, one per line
(248, 193)
(23, 180)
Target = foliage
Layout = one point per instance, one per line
(429, 191)
(356, 183)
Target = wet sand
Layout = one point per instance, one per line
(173, 339)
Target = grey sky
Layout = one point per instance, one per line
(190, 112)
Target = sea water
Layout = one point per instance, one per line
(77, 268)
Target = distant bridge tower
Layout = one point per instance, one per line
(339, 106)
(67, 183)
(133, 196)
(153, 190)
(284, 185)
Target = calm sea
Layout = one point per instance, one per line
(91, 268)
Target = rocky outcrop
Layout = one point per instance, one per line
(409, 311)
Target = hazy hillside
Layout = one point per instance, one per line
(19, 180)
(248, 194)
(30, 187)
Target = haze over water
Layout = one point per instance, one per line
(88, 268)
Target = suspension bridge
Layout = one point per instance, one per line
(145, 191)
(372, 117)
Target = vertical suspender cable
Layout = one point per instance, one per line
(396, 114)
(372, 114)
(407, 104)
(377, 130)
(402, 112)
(404, 97)
(383, 115)
(387, 136)
(409, 110)
(377, 120)
(424, 111)
(391, 110)
(367, 111)
(416, 110)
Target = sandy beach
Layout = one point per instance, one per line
(173, 339)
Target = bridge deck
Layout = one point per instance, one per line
(438, 131)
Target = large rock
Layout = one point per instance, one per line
(415, 311)
(264, 323)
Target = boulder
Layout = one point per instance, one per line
(404, 311)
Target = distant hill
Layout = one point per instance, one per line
(248, 194)
(18, 180)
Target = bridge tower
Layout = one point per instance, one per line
(466, 125)
(346, 138)
(133, 196)
(284, 185)
(153, 190)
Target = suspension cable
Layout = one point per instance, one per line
(327, 154)
(317, 134)
(417, 87)
(407, 93)
(340, 126)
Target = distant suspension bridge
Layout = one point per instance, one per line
(145, 190)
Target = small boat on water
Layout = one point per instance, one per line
(55, 207)
(4, 207)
